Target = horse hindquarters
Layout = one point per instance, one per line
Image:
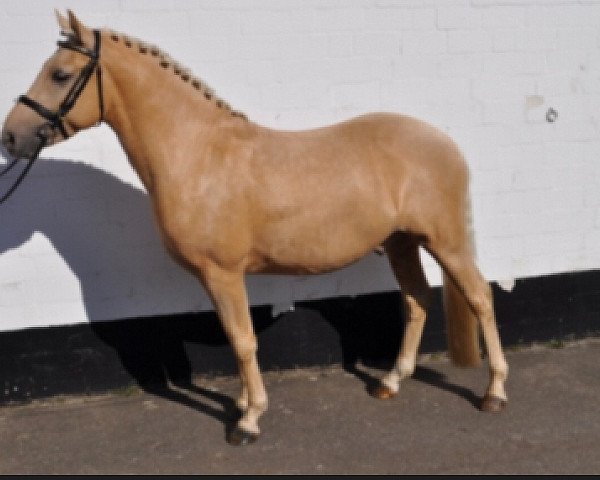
(438, 218)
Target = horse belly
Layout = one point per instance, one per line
(322, 240)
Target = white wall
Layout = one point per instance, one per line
(77, 242)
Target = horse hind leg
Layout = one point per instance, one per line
(403, 253)
(458, 264)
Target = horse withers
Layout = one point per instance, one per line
(232, 197)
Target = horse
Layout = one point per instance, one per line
(232, 197)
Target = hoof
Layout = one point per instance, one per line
(381, 392)
(492, 404)
(240, 437)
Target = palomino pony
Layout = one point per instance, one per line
(232, 197)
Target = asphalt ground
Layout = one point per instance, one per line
(321, 421)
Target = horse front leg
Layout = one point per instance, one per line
(228, 292)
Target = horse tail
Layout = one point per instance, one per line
(461, 323)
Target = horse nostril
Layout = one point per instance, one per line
(8, 139)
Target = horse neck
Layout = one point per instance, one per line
(152, 109)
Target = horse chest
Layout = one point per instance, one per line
(194, 233)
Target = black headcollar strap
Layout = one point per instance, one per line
(56, 118)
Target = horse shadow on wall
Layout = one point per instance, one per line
(103, 230)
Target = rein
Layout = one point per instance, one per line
(56, 119)
(6, 196)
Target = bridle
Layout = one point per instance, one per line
(56, 118)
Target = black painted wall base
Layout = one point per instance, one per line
(103, 356)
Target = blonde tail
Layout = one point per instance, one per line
(462, 327)
(461, 323)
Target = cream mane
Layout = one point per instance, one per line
(165, 61)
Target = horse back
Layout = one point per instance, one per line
(323, 198)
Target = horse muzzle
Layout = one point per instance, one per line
(27, 144)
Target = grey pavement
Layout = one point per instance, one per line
(321, 421)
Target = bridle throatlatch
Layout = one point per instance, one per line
(56, 118)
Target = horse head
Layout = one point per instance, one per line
(62, 99)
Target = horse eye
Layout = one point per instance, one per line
(60, 76)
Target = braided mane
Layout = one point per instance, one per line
(165, 61)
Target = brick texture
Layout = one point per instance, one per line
(78, 243)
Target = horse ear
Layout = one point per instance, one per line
(64, 24)
(77, 28)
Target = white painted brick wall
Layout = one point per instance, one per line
(77, 241)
